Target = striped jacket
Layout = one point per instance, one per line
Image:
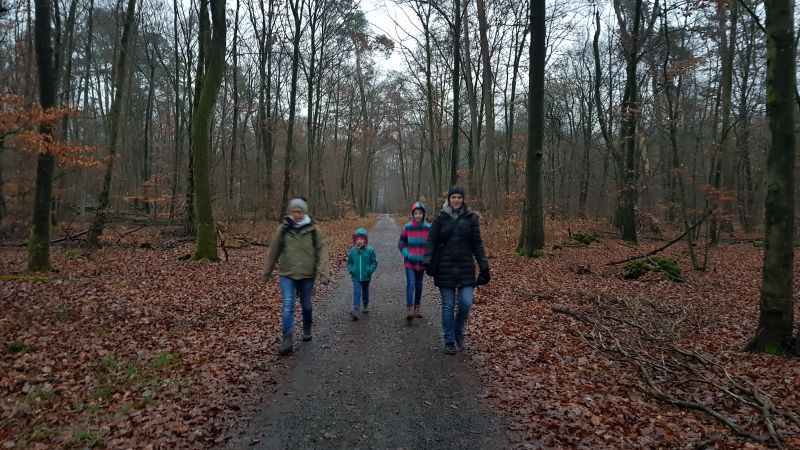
(413, 238)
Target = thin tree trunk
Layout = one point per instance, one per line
(121, 77)
(295, 6)
(727, 42)
(474, 133)
(177, 111)
(488, 101)
(454, 157)
(235, 134)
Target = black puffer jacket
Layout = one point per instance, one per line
(454, 245)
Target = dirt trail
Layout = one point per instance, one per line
(377, 382)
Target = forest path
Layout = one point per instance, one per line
(378, 382)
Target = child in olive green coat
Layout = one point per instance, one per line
(361, 264)
(299, 249)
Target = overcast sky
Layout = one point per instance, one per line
(382, 15)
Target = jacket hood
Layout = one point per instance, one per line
(420, 206)
(292, 224)
(454, 213)
(361, 232)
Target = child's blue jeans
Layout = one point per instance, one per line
(413, 286)
(289, 290)
(360, 293)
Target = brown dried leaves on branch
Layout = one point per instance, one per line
(127, 346)
(577, 357)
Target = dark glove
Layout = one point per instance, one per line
(483, 277)
(430, 271)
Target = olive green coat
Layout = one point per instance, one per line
(299, 252)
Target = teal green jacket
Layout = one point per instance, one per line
(361, 263)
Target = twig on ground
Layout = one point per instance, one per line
(663, 247)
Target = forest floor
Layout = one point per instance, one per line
(128, 346)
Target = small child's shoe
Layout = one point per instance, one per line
(354, 314)
(417, 314)
(409, 313)
(366, 311)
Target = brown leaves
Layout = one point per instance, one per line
(559, 388)
(131, 347)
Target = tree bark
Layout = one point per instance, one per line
(488, 101)
(296, 7)
(472, 101)
(533, 220)
(121, 77)
(776, 317)
(201, 128)
(39, 239)
(454, 157)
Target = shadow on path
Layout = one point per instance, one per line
(377, 382)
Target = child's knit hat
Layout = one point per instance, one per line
(416, 206)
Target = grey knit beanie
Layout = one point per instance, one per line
(298, 203)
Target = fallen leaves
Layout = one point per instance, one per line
(127, 346)
(558, 388)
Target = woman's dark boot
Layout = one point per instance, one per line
(286, 345)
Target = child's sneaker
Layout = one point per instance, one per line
(354, 314)
(366, 311)
(417, 314)
(306, 332)
(450, 348)
(409, 313)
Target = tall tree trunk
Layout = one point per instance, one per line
(456, 93)
(630, 104)
(745, 169)
(472, 101)
(513, 107)
(235, 134)
(432, 134)
(488, 101)
(776, 317)
(727, 44)
(120, 79)
(39, 239)
(295, 6)
(533, 219)
(178, 132)
(201, 128)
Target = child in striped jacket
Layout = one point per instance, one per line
(413, 238)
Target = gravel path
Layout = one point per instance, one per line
(378, 382)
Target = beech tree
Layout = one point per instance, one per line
(776, 318)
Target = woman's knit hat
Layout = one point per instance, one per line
(455, 190)
(298, 203)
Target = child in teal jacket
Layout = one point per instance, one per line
(361, 263)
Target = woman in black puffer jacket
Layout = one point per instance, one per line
(454, 246)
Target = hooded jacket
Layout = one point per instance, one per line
(454, 246)
(413, 237)
(299, 249)
(361, 262)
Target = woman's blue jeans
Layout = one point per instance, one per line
(455, 321)
(289, 290)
